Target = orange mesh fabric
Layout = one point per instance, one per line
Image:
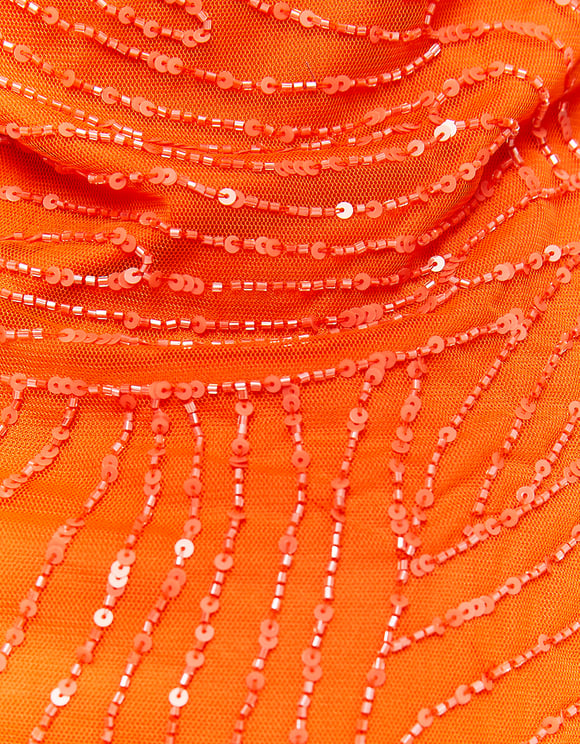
(289, 364)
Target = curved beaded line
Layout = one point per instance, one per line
(374, 208)
(565, 125)
(49, 452)
(286, 167)
(62, 538)
(425, 563)
(252, 128)
(461, 32)
(526, 497)
(502, 71)
(177, 282)
(118, 577)
(424, 498)
(348, 318)
(405, 529)
(164, 389)
(485, 604)
(283, 11)
(451, 88)
(465, 692)
(231, 198)
(66, 277)
(151, 29)
(406, 541)
(162, 64)
(14, 194)
(273, 247)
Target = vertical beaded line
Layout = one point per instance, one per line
(404, 528)
(58, 543)
(176, 576)
(403, 525)
(288, 544)
(223, 562)
(517, 325)
(324, 611)
(46, 456)
(121, 568)
(119, 572)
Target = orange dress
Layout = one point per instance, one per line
(289, 367)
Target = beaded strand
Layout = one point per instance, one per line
(62, 538)
(324, 611)
(288, 545)
(117, 580)
(49, 452)
(425, 563)
(176, 576)
(223, 562)
(465, 692)
(468, 610)
(526, 495)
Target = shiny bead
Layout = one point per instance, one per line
(268, 85)
(344, 210)
(445, 131)
(178, 697)
(194, 658)
(227, 196)
(281, 11)
(50, 15)
(204, 633)
(103, 617)
(374, 209)
(184, 548)
(58, 699)
(126, 14)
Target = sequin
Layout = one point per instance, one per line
(344, 210)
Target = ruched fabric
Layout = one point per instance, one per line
(289, 372)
